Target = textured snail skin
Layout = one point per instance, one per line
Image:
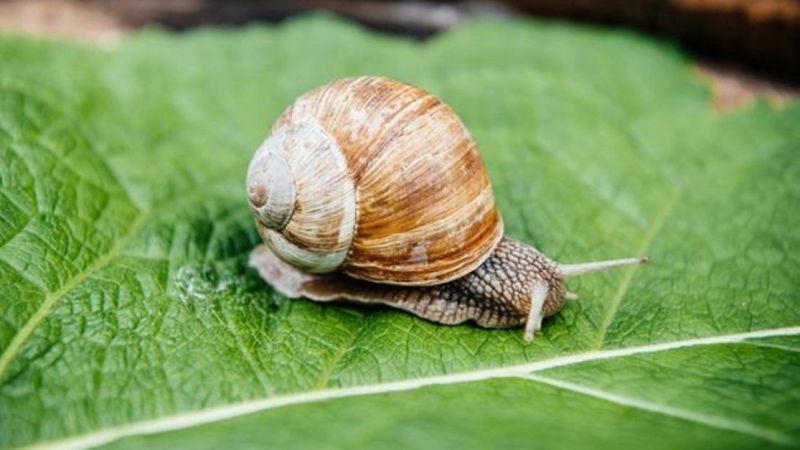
(495, 295)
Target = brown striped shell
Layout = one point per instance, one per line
(377, 179)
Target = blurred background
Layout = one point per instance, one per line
(745, 48)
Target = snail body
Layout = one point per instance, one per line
(371, 190)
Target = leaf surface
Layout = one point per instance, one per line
(130, 317)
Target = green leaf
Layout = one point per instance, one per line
(130, 317)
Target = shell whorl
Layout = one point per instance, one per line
(271, 189)
(304, 201)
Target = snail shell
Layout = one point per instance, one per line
(378, 180)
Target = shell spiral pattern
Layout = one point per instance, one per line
(386, 185)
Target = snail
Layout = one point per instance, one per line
(371, 190)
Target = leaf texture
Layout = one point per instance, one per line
(130, 317)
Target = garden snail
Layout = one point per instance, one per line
(371, 190)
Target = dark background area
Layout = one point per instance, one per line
(745, 47)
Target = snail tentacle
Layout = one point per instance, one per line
(538, 297)
(573, 270)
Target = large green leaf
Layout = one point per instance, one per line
(130, 317)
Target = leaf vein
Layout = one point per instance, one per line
(723, 423)
(51, 299)
(225, 412)
(651, 234)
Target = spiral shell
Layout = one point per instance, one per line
(377, 179)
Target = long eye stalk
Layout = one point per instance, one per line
(572, 270)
